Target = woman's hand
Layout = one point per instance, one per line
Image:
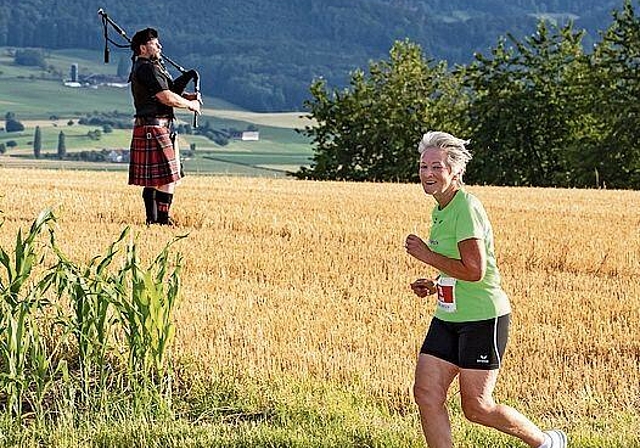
(423, 287)
(470, 267)
(417, 248)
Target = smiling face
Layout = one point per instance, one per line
(436, 176)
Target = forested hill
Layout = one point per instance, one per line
(263, 54)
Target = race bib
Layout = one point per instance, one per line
(446, 294)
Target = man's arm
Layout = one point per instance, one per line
(171, 99)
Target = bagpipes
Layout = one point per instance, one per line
(179, 84)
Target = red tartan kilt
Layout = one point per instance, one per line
(152, 159)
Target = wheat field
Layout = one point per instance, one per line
(301, 279)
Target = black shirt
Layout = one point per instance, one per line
(147, 79)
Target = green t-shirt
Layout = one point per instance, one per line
(460, 301)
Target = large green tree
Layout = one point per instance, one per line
(526, 108)
(615, 90)
(370, 130)
(539, 111)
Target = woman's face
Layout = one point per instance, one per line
(436, 176)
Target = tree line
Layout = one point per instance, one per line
(262, 55)
(539, 111)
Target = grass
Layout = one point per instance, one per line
(34, 99)
(40, 99)
(336, 419)
(274, 155)
(296, 326)
(76, 138)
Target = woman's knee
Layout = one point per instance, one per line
(477, 409)
(428, 397)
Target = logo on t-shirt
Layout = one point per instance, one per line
(483, 359)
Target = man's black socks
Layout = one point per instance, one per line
(163, 203)
(150, 207)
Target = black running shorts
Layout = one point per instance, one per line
(476, 345)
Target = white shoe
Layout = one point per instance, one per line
(558, 438)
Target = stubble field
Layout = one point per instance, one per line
(292, 281)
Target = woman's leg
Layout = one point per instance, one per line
(476, 392)
(432, 381)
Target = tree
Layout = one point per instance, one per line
(3, 148)
(62, 146)
(615, 161)
(37, 142)
(11, 124)
(526, 108)
(370, 130)
(30, 57)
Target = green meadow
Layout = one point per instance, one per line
(38, 97)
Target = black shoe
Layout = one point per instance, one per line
(168, 222)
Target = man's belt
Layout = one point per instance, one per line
(153, 121)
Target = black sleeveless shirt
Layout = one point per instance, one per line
(147, 79)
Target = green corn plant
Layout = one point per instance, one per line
(17, 272)
(20, 302)
(14, 348)
(145, 311)
(92, 306)
(30, 372)
(41, 372)
(91, 291)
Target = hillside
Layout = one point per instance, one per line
(263, 55)
(37, 97)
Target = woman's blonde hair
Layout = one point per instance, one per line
(457, 154)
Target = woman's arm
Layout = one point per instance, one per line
(472, 264)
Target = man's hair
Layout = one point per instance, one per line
(457, 154)
(141, 38)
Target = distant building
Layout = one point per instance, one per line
(94, 80)
(118, 156)
(101, 80)
(246, 136)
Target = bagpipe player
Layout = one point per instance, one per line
(154, 161)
